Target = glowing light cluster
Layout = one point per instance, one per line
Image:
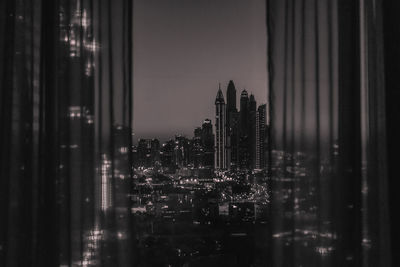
(106, 192)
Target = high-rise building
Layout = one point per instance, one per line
(207, 141)
(220, 132)
(261, 137)
(252, 130)
(197, 148)
(232, 126)
(244, 112)
(167, 156)
(144, 153)
(197, 151)
(182, 151)
(243, 155)
(197, 132)
(147, 153)
(155, 151)
(231, 97)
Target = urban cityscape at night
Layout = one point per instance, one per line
(199, 199)
(177, 133)
(205, 199)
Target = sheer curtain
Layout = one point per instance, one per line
(66, 118)
(329, 183)
(66, 113)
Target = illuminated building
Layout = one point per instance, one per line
(244, 153)
(147, 153)
(261, 137)
(144, 153)
(106, 187)
(182, 151)
(232, 125)
(220, 161)
(207, 141)
(252, 131)
(197, 149)
(167, 156)
(155, 151)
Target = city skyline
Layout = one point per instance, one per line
(163, 136)
(182, 51)
(236, 139)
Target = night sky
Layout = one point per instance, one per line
(183, 49)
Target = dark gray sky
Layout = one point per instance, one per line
(183, 49)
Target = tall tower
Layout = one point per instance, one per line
(244, 112)
(106, 185)
(231, 126)
(220, 132)
(252, 130)
(231, 97)
(261, 137)
(243, 151)
(207, 141)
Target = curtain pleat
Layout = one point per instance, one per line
(391, 57)
(66, 113)
(328, 173)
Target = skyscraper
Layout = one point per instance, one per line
(197, 149)
(182, 151)
(231, 97)
(220, 132)
(207, 141)
(144, 153)
(167, 156)
(155, 151)
(243, 154)
(261, 137)
(252, 130)
(232, 126)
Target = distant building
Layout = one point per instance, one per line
(167, 156)
(155, 151)
(220, 161)
(207, 141)
(106, 186)
(182, 151)
(144, 153)
(232, 126)
(244, 153)
(197, 149)
(261, 137)
(252, 131)
(197, 132)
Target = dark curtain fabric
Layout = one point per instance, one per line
(66, 117)
(329, 150)
(391, 43)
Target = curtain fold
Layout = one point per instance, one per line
(66, 113)
(328, 168)
(390, 44)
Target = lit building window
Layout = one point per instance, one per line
(106, 190)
